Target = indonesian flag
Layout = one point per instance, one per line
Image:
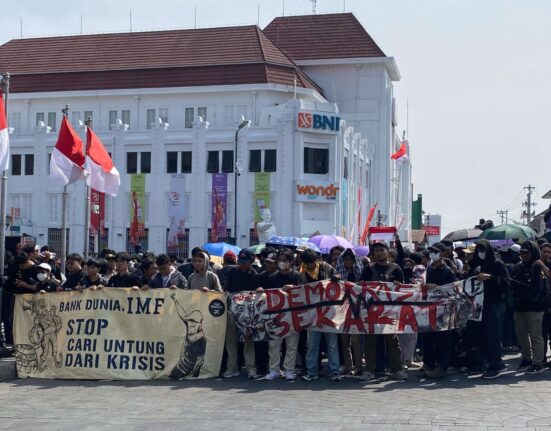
(103, 175)
(67, 162)
(382, 233)
(4, 138)
(402, 152)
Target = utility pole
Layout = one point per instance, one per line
(503, 215)
(528, 214)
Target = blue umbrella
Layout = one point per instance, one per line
(220, 248)
(292, 242)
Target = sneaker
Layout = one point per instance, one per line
(367, 376)
(251, 374)
(309, 377)
(534, 369)
(335, 377)
(272, 375)
(399, 375)
(229, 374)
(424, 372)
(490, 374)
(524, 365)
(437, 373)
(502, 367)
(290, 375)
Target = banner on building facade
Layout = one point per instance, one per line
(219, 206)
(137, 207)
(261, 194)
(367, 308)
(344, 195)
(316, 191)
(176, 210)
(97, 212)
(120, 334)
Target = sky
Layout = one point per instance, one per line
(475, 75)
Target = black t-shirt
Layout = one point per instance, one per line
(86, 282)
(262, 278)
(388, 273)
(126, 280)
(47, 286)
(239, 281)
(441, 275)
(73, 279)
(28, 276)
(277, 280)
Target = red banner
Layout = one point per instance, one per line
(431, 230)
(97, 212)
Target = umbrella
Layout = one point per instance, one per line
(220, 248)
(509, 231)
(256, 249)
(327, 242)
(463, 234)
(361, 250)
(292, 242)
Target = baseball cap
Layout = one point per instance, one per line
(515, 248)
(230, 256)
(245, 256)
(272, 257)
(45, 266)
(439, 247)
(379, 244)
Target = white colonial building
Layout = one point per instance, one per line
(322, 127)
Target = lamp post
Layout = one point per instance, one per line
(236, 172)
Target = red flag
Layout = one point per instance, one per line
(97, 212)
(104, 176)
(401, 152)
(67, 157)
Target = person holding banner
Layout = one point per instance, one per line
(93, 279)
(202, 277)
(312, 270)
(167, 275)
(437, 345)
(285, 277)
(46, 282)
(123, 277)
(75, 273)
(383, 270)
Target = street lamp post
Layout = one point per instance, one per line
(236, 172)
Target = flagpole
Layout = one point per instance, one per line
(65, 112)
(5, 83)
(88, 123)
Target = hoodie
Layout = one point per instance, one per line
(496, 287)
(205, 278)
(529, 281)
(356, 274)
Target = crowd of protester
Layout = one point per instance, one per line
(516, 313)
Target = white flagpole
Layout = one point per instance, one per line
(65, 112)
(88, 123)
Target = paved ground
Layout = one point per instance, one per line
(513, 402)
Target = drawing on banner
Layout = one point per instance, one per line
(42, 336)
(193, 351)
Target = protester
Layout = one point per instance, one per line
(147, 270)
(229, 261)
(202, 277)
(46, 282)
(167, 275)
(315, 270)
(93, 279)
(437, 347)
(25, 274)
(383, 270)
(285, 277)
(349, 268)
(530, 286)
(75, 273)
(334, 255)
(123, 277)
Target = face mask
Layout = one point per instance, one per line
(482, 255)
(282, 265)
(434, 256)
(41, 276)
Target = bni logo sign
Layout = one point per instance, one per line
(318, 122)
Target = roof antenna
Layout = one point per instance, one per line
(283, 14)
(344, 6)
(258, 16)
(314, 2)
(81, 23)
(130, 20)
(195, 15)
(21, 27)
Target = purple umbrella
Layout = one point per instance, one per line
(361, 250)
(327, 242)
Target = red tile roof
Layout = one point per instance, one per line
(326, 36)
(215, 56)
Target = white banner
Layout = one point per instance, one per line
(176, 209)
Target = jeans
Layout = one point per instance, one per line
(314, 339)
(528, 325)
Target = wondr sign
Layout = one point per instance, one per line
(316, 191)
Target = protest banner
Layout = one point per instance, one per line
(120, 334)
(367, 308)
(176, 210)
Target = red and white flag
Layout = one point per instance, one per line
(402, 152)
(4, 138)
(103, 175)
(67, 162)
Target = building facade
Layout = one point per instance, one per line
(170, 103)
